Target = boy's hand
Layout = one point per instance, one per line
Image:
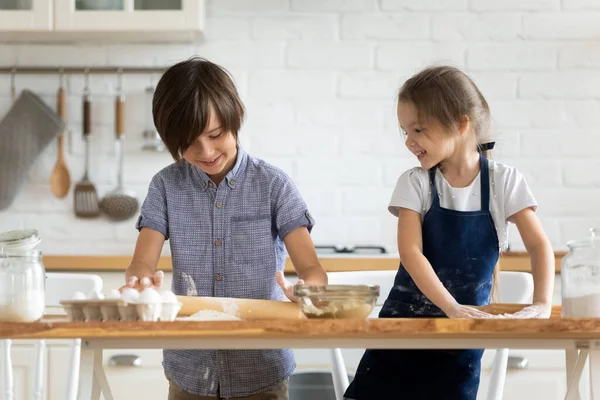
(286, 286)
(143, 282)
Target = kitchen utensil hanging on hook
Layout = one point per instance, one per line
(85, 194)
(119, 204)
(152, 140)
(13, 89)
(60, 179)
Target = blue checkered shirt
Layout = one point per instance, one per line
(226, 242)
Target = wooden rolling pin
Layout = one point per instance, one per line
(243, 308)
(249, 309)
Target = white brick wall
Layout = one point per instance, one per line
(319, 79)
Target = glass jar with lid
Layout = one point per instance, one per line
(580, 278)
(22, 277)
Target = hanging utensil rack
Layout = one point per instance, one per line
(22, 70)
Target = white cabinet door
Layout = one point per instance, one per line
(26, 15)
(129, 15)
(24, 362)
(138, 375)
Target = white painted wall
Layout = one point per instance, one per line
(319, 78)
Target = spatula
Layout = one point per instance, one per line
(60, 179)
(85, 194)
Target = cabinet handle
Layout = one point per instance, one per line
(517, 362)
(125, 360)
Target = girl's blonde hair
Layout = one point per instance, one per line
(446, 94)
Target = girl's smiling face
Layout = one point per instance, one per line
(427, 140)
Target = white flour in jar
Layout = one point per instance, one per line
(587, 306)
(26, 306)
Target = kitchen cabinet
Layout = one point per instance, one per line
(543, 378)
(130, 373)
(139, 372)
(26, 15)
(101, 20)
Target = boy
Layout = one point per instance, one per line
(229, 218)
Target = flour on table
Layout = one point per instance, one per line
(212, 315)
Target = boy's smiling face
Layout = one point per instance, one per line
(214, 151)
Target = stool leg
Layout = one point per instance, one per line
(73, 377)
(38, 384)
(498, 375)
(8, 371)
(339, 374)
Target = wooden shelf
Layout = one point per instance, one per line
(509, 261)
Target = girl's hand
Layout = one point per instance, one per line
(142, 282)
(536, 310)
(459, 311)
(286, 286)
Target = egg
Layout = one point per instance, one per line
(113, 294)
(149, 296)
(78, 296)
(169, 297)
(130, 295)
(95, 295)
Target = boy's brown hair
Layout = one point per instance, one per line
(184, 98)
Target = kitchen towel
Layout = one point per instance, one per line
(25, 131)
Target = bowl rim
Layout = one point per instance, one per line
(337, 290)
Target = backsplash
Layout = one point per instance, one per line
(319, 79)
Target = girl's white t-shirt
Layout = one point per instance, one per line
(509, 194)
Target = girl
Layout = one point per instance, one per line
(229, 217)
(452, 222)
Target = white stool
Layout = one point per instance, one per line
(59, 286)
(513, 287)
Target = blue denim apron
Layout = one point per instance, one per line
(462, 247)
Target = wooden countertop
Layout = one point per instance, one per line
(509, 261)
(553, 328)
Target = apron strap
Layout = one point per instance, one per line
(485, 183)
(435, 200)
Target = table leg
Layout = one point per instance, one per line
(595, 374)
(100, 376)
(89, 388)
(576, 360)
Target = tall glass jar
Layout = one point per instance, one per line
(22, 277)
(580, 278)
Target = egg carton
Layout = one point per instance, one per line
(119, 310)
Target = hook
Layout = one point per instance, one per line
(61, 77)
(119, 80)
(13, 90)
(86, 88)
